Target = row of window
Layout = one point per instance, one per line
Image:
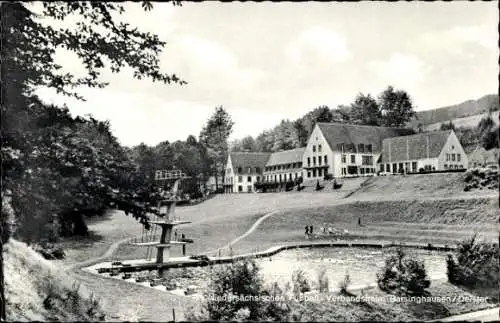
(249, 179)
(316, 172)
(361, 148)
(354, 171)
(281, 177)
(397, 168)
(451, 157)
(314, 148)
(365, 160)
(324, 159)
(282, 167)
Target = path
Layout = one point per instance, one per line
(244, 235)
(109, 252)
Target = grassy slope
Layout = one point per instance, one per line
(423, 208)
(31, 283)
(215, 223)
(399, 187)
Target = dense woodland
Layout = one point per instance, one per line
(392, 108)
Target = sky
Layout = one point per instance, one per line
(264, 62)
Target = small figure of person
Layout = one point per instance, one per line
(307, 231)
(359, 221)
(311, 230)
(175, 235)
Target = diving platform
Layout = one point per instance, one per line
(158, 244)
(169, 223)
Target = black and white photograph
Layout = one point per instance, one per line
(246, 161)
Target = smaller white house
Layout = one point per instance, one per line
(437, 150)
(243, 170)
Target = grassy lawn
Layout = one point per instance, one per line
(438, 221)
(384, 212)
(399, 187)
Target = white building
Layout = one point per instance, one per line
(343, 150)
(284, 166)
(437, 150)
(243, 170)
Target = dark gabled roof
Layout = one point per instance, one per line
(341, 133)
(286, 157)
(248, 159)
(419, 146)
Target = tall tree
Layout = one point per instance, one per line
(447, 126)
(396, 107)
(487, 132)
(214, 136)
(300, 130)
(365, 110)
(248, 143)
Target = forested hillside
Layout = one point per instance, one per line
(392, 108)
(464, 109)
(383, 111)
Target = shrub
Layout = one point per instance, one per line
(318, 187)
(239, 279)
(300, 282)
(403, 275)
(344, 284)
(323, 281)
(475, 265)
(328, 177)
(468, 176)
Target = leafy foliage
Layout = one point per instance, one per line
(230, 284)
(396, 107)
(365, 110)
(447, 126)
(300, 282)
(403, 275)
(214, 136)
(474, 264)
(56, 168)
(393, 108)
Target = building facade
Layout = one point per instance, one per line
(284, 166)
(243, 170)
(437, 150)
(345, 150)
